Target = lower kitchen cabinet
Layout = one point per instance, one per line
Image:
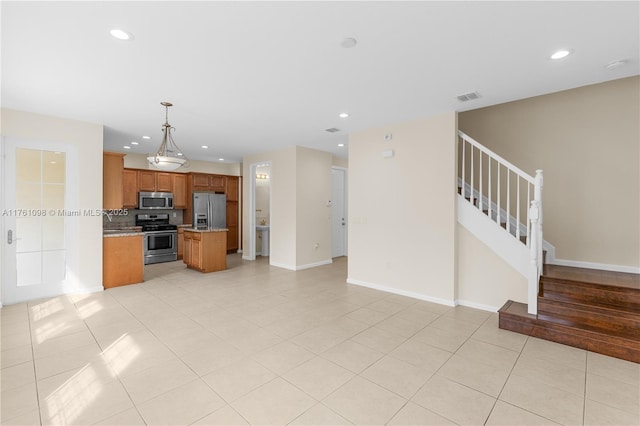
(122, 260)
(180, 243)
(205, 251)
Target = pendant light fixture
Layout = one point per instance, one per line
(169, 156)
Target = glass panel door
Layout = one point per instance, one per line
(36, 246)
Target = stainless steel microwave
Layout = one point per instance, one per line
(155, 200)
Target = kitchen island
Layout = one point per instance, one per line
(205, 250)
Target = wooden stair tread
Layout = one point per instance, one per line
(593, 276)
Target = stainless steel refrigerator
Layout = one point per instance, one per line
(209, 210)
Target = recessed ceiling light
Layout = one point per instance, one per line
(179, 154)
(126, 147)
(340, 145)
(52, 162)
(146, 137)
(349, 42)
(121, 34)
(220, 159)
(616, 64)
(205, 146)
(343, 115)
(134, 143)
(561, 54)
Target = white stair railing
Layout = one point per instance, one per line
(503, 192)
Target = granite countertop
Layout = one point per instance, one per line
(186, 225)
(207, 230)
(122, 231)
(108, 233)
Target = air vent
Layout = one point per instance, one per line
(332, 130)
(468, 96)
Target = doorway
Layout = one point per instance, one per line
(339, 219)
(259, 210)
(39, 220)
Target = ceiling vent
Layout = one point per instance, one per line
(332, 130)
(468, 96)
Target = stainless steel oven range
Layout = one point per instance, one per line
(160, 238)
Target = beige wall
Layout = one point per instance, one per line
(485, 280)
(87, 139)
(340, 162)
(300, 181)
(139, 161)
(313, 216)
(587, 142)
(402, 217)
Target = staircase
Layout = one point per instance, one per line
(589, 309)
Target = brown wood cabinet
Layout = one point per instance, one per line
(146, 181)
(112, 168)
(122, 261)
(180, 243)
(232, 225)
(152, 181)
(207, 182)
(232, 188)
(130, 188)
(179, 189)
(205, 251)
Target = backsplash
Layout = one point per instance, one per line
(130, 218)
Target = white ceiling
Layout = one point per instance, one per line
(249, 77)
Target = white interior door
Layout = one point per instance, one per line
(339, 212)
(35, 221)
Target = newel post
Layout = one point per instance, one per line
(534, 272)
(537, 196)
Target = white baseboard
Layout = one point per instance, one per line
(301, 267)
(239, 251)
(475, 305)
(592, 265)
(245, 257)
(401, 292)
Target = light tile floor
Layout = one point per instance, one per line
(262, 345)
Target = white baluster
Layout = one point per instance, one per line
(472, 187)
(480, 160)
(464, 167)
(498, 205)
(528, 218)
(518, 208)
(489, 182)
(508, 225)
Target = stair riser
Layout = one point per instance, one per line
(591, 316)
(609, 347)
(628, 299)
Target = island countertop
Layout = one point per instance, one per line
(206, 230)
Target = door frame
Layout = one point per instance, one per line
(345, 203)
(251, 255)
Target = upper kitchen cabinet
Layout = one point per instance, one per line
(232, 188)
(179, 189)
(130, 188)
(207, 182)
(112, 180)
(151, 181)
